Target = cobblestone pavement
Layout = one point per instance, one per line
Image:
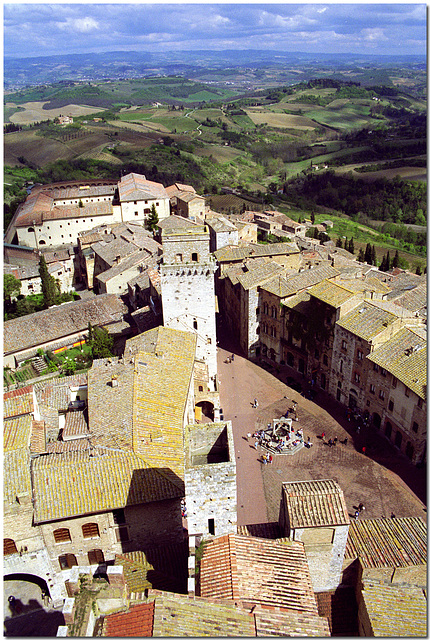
(370, 478)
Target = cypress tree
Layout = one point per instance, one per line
(351, 246)
(368, 254)
(373, 259)
(396, 259)
(49, 287)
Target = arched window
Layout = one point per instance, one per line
(42, 242)
(9, 547)
(30, 230)
(67, 561)
(195, 324)
(90, 530)
(62, 535)
(273, 312)
(95, 556)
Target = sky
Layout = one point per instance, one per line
(40, 29)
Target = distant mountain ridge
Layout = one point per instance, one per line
(20, 72)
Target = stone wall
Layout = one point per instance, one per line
(210, 485)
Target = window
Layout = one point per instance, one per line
(122, 534)
(415, 427)
(178, 257)
(194, 257)
(356, 378)
(394, 382)
(136, 213)
(62, 535)
(195, 324)
(406, 392)
(266, 309)
(273, 312)
(211, 526)
(257, 311)
(200, 388)
(375, 367)
(344, 345)
(90, 530)
(372, 388)
(9, 547)
(390, 405)
(382, 394)
(95, 556)
(359, 355)
(118, 516)
(420, 403)
(383, 372)
(317, 354)
(325, 359)
(341, 366)
(67, 561)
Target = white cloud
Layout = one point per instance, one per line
(80, 25)
(374, 35)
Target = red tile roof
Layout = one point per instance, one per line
(136, 622)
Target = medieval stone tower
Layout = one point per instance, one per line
(188, 291)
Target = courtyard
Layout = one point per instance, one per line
(381, 477)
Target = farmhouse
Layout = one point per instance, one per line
(54, 215)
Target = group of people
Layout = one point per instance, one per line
(332, 442)
(359, 509)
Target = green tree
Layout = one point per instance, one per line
(368, 254)
(373, 255)
(100, 341)
(339, 242)
(49, 285)
(396, 259)
(11, 286)
(152, 220)
(361, 257)
(351, 246)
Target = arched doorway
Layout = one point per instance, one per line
(398, 439)
(376, 419)
(207, 410)
(409, 451)
(290, 359)
(388, 429)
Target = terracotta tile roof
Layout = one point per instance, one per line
(187, 196)
(388, 542)
(290, 285)
(258, 571)
(395, 611)
(279, 622)
(367, 321)
(182, 616)
(110, 409)
(259, 275)
(175, 222)
(135, 187)
(52, 324)
(136, 622)
(38, 437)
(405, 356)
(67, 191)
(317, 503)
(18, 402)
(414, 300)
(80, 444)
(160, 390)
(331, 293)
(17, 432)
(232, 253)
(16, 474)
(80, 482)
(75, 426)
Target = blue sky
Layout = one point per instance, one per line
(48, 28)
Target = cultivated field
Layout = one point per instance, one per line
(34, 112)
(283, 120)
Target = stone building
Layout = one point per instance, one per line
(315, 513)
(188, 291)
(222, 232)
(79, 492)
(53, 215)
(210, 479)
(396, 394)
